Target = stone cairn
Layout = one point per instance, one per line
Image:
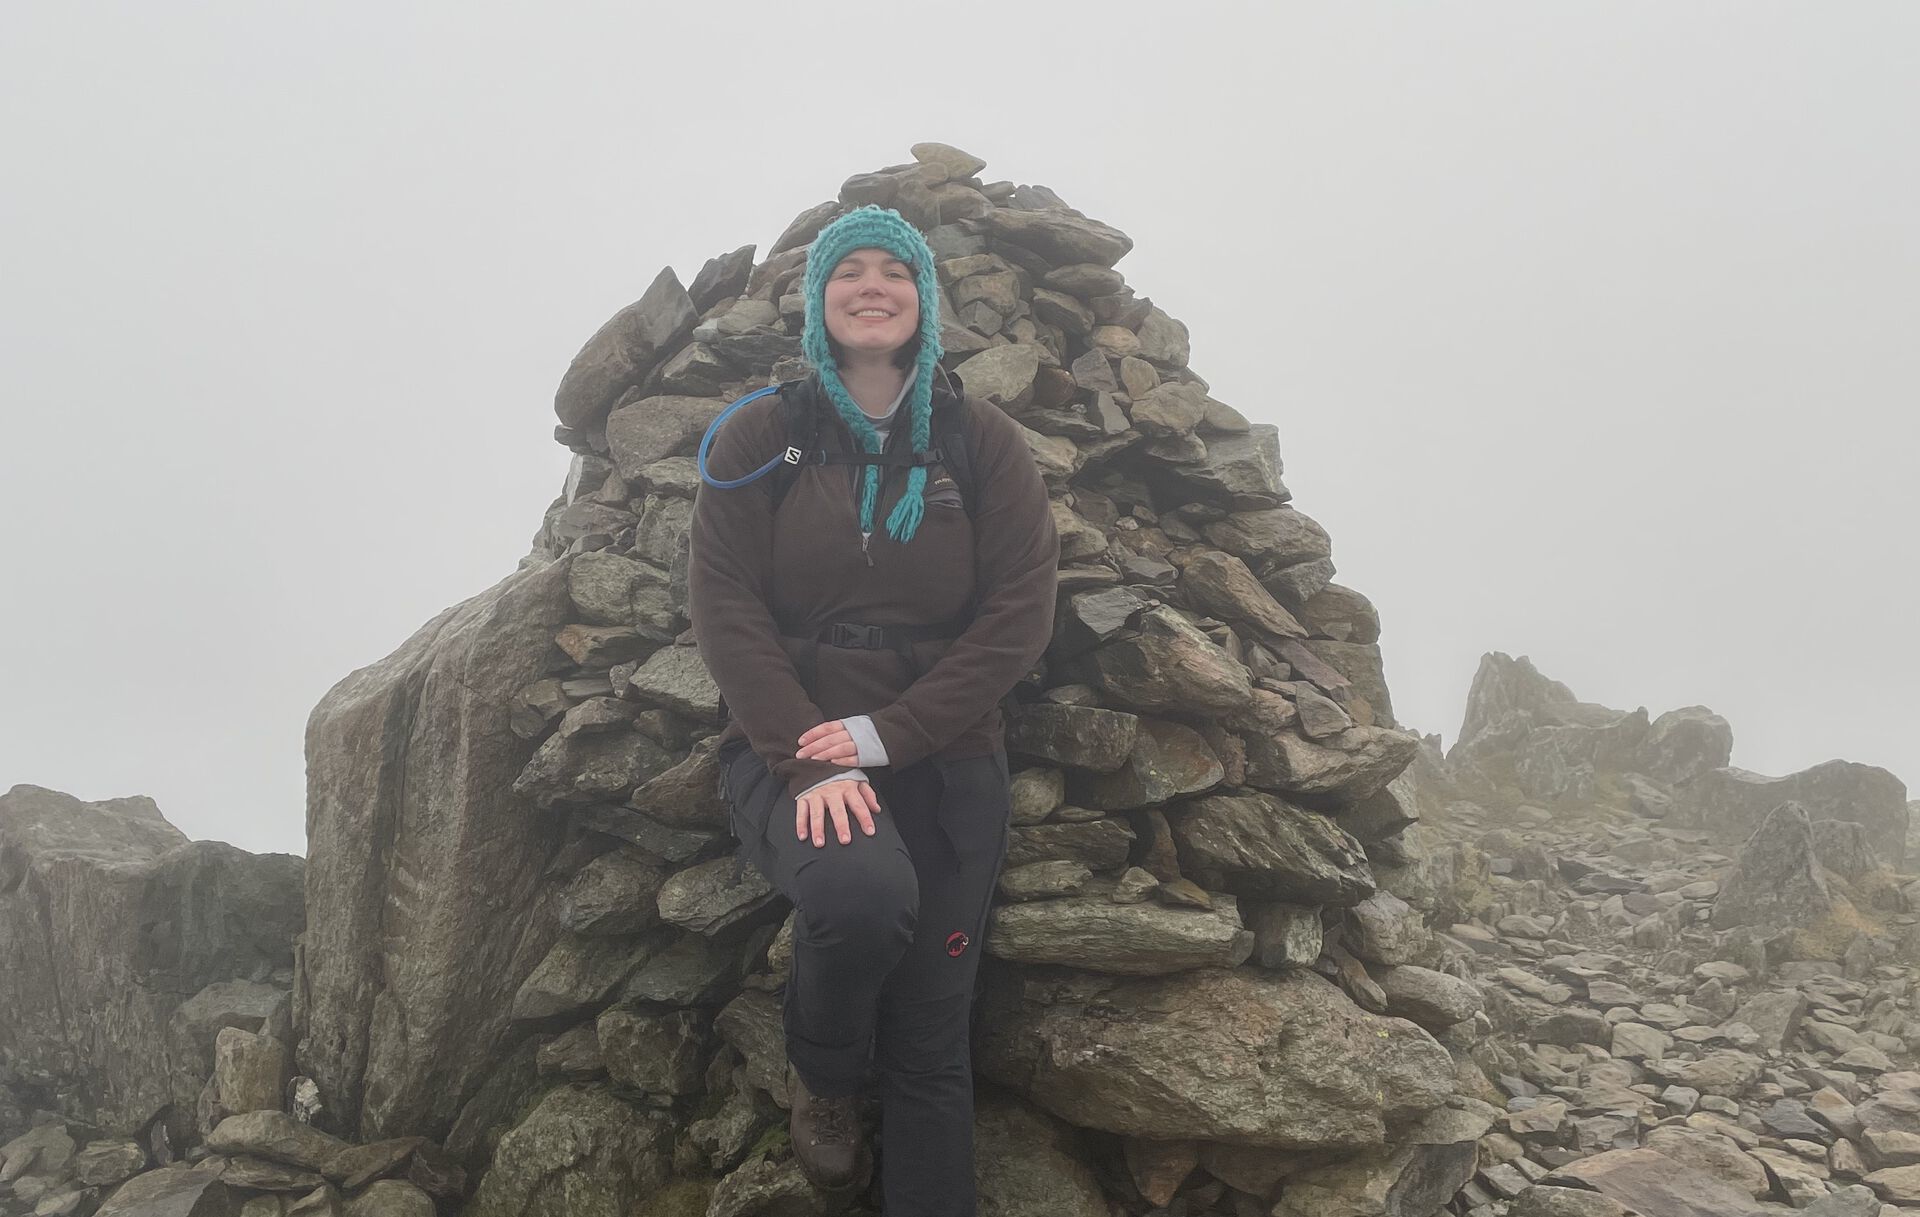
(1258, 950)
(526, 931)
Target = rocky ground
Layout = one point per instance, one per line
(1687, 1028)
(1260, 951)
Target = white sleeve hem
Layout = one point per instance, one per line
(866, 739)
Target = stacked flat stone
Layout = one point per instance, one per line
(527, 928)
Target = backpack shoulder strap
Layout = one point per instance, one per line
(953, 432)
(803, 427)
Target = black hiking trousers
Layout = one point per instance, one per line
(886, 945)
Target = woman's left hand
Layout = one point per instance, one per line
(829, 742)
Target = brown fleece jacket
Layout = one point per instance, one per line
(803, 568)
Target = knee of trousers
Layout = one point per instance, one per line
(860, 899)
(925, 1039)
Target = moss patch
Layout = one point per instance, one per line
(681, 1198)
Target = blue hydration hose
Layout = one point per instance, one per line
(706, 442)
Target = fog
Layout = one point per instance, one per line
(1589, 329)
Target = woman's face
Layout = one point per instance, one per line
(872, 303)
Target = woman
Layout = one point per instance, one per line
(863, 629)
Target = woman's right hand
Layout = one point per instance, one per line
(836, 801)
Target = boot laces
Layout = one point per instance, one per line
(833, 1121)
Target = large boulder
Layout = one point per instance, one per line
(426, 899)
(580, 1153)
(1729, 803)
(1413, 1177)
(1283, 1060)
(1777, 882)
(1025, 1163)
(112, 922)
(1647, 1181)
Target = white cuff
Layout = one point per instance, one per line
(866, 739)
(851, 775)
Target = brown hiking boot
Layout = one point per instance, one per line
(826, 1136)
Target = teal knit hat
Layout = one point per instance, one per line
(873, 227)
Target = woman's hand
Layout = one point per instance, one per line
(836, 801)
(830, 741)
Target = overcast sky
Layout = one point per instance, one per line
(1592, 331)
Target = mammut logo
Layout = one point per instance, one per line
(957, 942)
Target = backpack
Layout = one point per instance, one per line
(950, 435)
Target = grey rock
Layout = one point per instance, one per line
(1256, 845)
(389, 1198)
(1295, 585)
(1714, 1154)
(622, 351)
(425, 890)
(580, 1153)
(105, 1163)
(1095, 934)
(1651, 1182)
(691, 970)
(676, 679)
(1360, 663)
(1141, 1057)
(585, 767)
(1169, 665)
(1271, 537)
(1026, 1164)
(1414, 1177)
(1684, 744)
(688, 794)
(615, 894)
(654, 1053)
(1169, 409)
(573, 1055)
(1167, 761)
(1342, 614)
(751, 1025)
(1855, 1201)
(1037, 793)
(1432, 999)
(578, 974)
(709, 898)
(1729, 803)
(721, 278)
(1002, 375)
(263, 1174)
(1541, 1200)
(1098, 844)
(1044, 880)
(1776, 883)
(1383, 929)
(1164, 340)
(648, 429)
(110, 923)
(1223, 586)
(172, 1191)
(763, 1187)
(1085, 737)
(1091, 617)
(1238, 472)
(358, 1165)
(1060, 238)
(1344, 768)
(276, 1136)
(250, 1071)
(1284, 935)
(46, 1149)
